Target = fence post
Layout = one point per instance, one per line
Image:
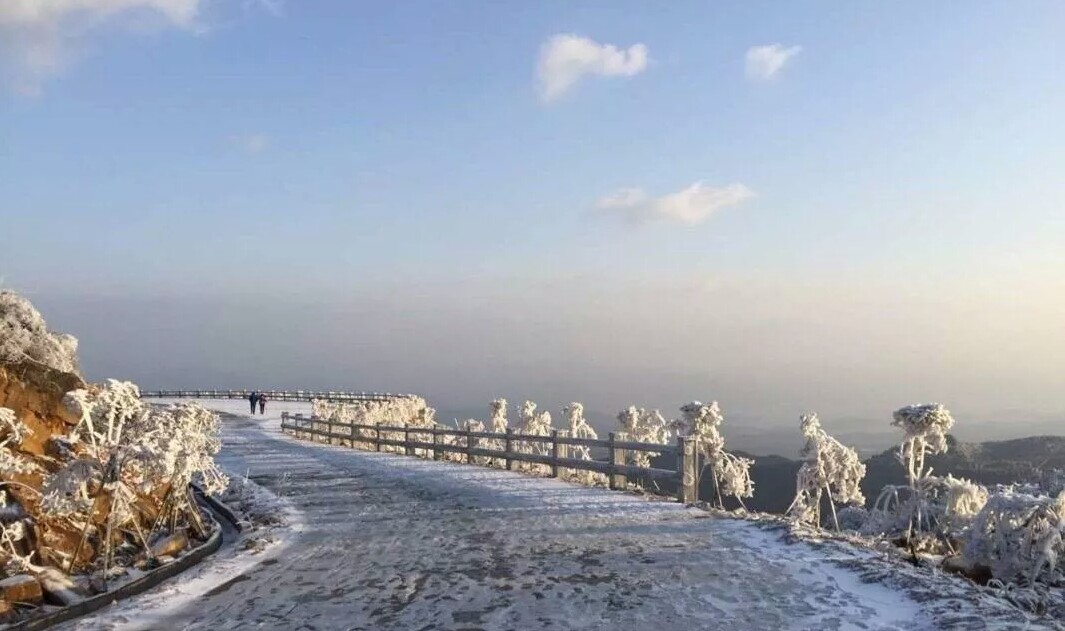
(469, 445)
(617, 456)
(436, 441)
(407, 450)
(351, 440)
(329, 429)
(284, 417)
(508, 445)
(377, 437)
(554, 453)
(687, 469)
(563, 452)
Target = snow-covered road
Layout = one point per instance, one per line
(392, 542)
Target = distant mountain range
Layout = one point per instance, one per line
(995, 462)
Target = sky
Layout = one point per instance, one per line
(785, 207)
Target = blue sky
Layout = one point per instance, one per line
(204, 153)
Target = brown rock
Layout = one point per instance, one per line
(21, 588)
(35, 394)
(58, 588)
(7, 612)
(171, 544)
(979, 574)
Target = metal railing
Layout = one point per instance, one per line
(426, 442)
(274, 395)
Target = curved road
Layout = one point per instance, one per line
(393, 542)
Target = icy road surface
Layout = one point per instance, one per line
(393, 542)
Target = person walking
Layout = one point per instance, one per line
(262, 404)
(253, 398)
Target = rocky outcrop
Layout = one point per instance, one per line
(89, 474)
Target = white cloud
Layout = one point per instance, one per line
(764, 62)
(690, 206)
(252, 143)
(38, 37)
(566, 58)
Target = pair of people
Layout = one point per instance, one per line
(257, 398)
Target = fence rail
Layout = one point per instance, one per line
(486, 445)
(274, 395)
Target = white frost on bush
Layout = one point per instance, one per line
(580, 428)
(132, 447)
(828, 467)
(643, 426)
(922, 505)
(925, 427)
(1018, 536)
(410, 411)
(25, 336)
(731, 473)
(13, 431)
(498, 413)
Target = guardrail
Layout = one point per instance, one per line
(274, 395)
(427, 440)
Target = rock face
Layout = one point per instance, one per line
(58, 588)
(21, 588)
(170, 545)
(89, 474)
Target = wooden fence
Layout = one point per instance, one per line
(471, 444)
(274, 395)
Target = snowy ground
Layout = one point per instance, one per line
(392, 542)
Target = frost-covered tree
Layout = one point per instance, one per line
(580, 428)
(1018, 536)
(731, 473)
(498, 415)
(130, 448)
(643, 426)
(24, 336)
(925, 427)
(925, 430)
(829, 468)
(535, 423)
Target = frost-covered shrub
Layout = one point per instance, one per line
(497, 422)
(852, 518)
(469, 425)
(579, 428)
(25, 336)
(12, 432)
(402, 411)
(731, 473)
(533, 423)
(942, 505)
(925, 427)
(117, 479)
(1018, 536)
(828, 467)
(643, 426)
(498, 415)
(925, 430)
(141, 446)
(1053, 481)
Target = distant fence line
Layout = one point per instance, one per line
(274, 395)
(427, 439)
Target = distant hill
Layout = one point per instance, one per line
(995, 462)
